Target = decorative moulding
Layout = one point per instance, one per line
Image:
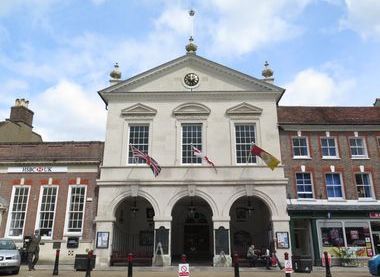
(244, 109)
(191, 109)
(138, 110)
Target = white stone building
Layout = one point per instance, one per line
(190, 207)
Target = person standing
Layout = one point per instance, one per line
(34, 250)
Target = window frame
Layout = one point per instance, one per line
(196, 145)
(235, 143)
(68, 204)
(9, 218)
(341, 186)
(307, 156)
(365, 155)
(329, 147)
(311, 185)
(38, 216)
(370, 185)
(128, 150)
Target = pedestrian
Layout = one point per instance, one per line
(267, 259)
(251, 255)
(34, 250)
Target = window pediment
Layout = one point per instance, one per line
(138, 110)
(191, 109)
(244, 109)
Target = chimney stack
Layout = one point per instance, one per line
(21, 113)
(377, 102)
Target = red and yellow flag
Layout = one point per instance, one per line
(270, 160)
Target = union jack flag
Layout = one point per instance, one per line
(152, 163)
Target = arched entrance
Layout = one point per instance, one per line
(192, 232)
(250, 223)
(133, 232)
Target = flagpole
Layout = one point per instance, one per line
(250, 153)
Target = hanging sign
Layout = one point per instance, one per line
(183, 270)
(37, 169)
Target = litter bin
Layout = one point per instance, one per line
(302, 264)
(374, 265)
(81, 260)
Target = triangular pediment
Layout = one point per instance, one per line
(191, 109)
(139, 110)
(169, 78)
(244, 109)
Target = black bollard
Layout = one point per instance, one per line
(130, 264)
(89, 258)
(286, 255)
(236, 265)
(183, 259)
(327, 264)
(55, 270)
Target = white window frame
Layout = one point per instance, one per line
(311, 184)
(235, 145)
(8, 226)
(202, 142)
(38, 217)
(336, 148)
(365, 155)
(129, 137)
(370, 185)
(66, 232)
(307, 148)
(341, 186)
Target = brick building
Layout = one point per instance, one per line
(50, 186)
(331, 156)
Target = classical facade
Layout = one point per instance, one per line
(332, 161)
(191, 207)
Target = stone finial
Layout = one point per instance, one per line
(267, 73)
(115, 73)
(191, 48)
(21, 102)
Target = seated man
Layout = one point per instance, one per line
(251, 255)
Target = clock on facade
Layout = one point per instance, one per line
(191, 79)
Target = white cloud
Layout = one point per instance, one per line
(314, 88)
(363, 17)
(12, 89)
(66, 112)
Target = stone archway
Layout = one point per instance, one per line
(133, 231)
(192, 231)
(250, 223)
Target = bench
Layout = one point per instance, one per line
(121, 259)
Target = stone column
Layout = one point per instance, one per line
(281, 236)
(222, 242)
(162, 242)
(103, 255)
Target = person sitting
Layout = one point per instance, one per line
(251, 255)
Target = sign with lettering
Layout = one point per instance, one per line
(37, 169)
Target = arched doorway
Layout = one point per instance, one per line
(192, 232)
(250, 223)
(133, 232)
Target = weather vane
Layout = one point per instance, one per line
(192, 13)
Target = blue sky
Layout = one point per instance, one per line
(58, 54)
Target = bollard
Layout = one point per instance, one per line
(55, 270)
(130, 264)
(286, 255)
(236, 265)
(183, 259)
(327, 264)
(89, 258)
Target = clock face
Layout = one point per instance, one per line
(191, 79)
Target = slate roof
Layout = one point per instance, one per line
(328, 115)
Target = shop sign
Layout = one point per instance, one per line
(374, 215)
(37, 169)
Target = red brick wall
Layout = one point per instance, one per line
(318, 166)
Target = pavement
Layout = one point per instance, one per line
(43, 270)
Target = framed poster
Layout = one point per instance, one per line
(282, 239)
(102, 239)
